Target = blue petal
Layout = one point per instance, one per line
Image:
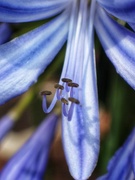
(5, 32)
(119, 45)
(120, 166)
(26, 11)
(23, 59)
(30, 161)
(133, 161)
(124, 9)
(80, 135)
(6, 123)
(81, 142)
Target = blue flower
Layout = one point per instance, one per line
(32, 52)
(31, 160)
(122, 164)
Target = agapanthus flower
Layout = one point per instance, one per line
(31, 160)
(121, 166)
(31, 53)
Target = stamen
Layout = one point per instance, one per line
(70, 112)
(71, 109)
(46, 93)
(67, 80)
(73, 100)
(58, 86)
(44, 101)
(59, 90)
(64, 106)
(59, 95)
(65, 101)
(72, 84)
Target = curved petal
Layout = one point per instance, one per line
(80, 134)
(124, 10)
(119, 45)
(26, 11)
(6, 123)
(5, 32)
(120, 166)
(23, 59)
(31, 160)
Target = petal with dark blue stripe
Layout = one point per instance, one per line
(124, 10)
(26, 11)
(118, 43)
(24, 58)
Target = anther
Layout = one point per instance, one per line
(72, 84)
(64, 106)
(71, 109)
(65, 101)
(58, 86)
(66, 80)
(76, 101)
(46, 93)
(59, 90)
(44, 101)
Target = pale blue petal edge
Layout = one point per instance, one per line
(24, 58)
(124, 9)
(5, 32)
(26, 11)
(31, 160)
(6, 124)
(119, 45)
